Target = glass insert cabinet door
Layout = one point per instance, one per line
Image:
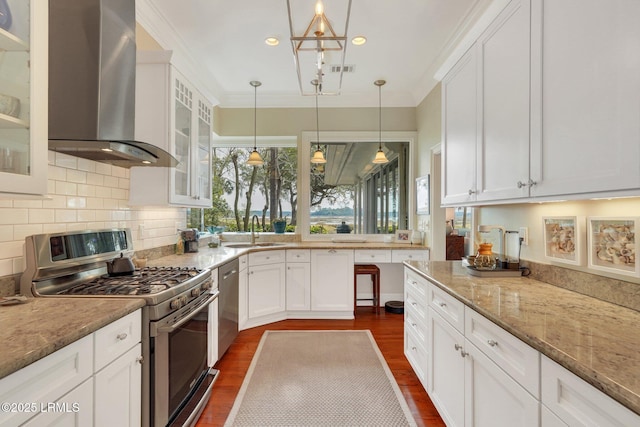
(204, 152)
(192, 135)
(182, 142)
(23, 78)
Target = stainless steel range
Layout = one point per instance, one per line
(176, 378)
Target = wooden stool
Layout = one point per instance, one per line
(374, 271)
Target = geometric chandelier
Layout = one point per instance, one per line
(319, 51)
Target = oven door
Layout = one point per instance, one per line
(181, 379)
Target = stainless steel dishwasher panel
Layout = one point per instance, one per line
(228, 284)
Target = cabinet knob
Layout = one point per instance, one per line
(532, 182)
(492, 343)
(332, 251)
(140, 360)
(457, 347)
(122, 336)
(521, 184)
(442, 304)
(413, 324)
(463, 353)
(472, 192)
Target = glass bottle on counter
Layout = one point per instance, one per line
(180, 246)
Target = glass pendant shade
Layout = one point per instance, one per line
(318, 156)
(255, 159)
(380, 157)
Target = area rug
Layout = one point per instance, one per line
(319, 378)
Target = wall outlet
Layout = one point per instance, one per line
(523, 232)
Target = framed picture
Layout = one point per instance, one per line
(403, 236)
(611, 245)
(422, 195)
(563, 238)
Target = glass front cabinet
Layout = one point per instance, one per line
(173, 115)
(23, 97)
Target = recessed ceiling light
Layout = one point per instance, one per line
(359, 40)
(272, 41)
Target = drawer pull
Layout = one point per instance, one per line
(492, 343)
(122, 336)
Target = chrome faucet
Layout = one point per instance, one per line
(253, 229)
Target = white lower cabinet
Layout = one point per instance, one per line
(96, 380)
(493, 398)
(118, 385)
(298, 286)
(470, 389)
(549, 419)
(71, 410)
(332, 281)
(266, 287)
(298, 280)
(445, 375)
(577, 403)
(416, 329)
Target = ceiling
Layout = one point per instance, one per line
(222, 44)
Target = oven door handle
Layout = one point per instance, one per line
(169, 329)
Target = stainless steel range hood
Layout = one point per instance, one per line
(92, 65)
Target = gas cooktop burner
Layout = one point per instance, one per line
(149, 280)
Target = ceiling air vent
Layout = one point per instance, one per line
(343, 68)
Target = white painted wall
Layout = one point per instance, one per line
(530, 215)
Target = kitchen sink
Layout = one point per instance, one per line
(254, 245)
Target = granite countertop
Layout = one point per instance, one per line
(214, 257)
(596, 340)
(32, 330)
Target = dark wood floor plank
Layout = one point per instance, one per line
(387, 329)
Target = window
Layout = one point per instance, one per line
(350, 194)
(240, 191)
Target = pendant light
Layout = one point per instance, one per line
(380, 156)
(318, 156)
(255, 159)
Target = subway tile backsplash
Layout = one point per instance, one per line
(83, 194)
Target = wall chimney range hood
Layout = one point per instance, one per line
(92, 65)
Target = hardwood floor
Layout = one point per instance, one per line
(387, 329)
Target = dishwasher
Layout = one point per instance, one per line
(228, 284)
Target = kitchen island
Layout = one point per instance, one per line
(596, 340)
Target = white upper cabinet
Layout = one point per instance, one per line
(485, 101)
(549, 106)
(459, 128)
(585, 92)
(173, 115)
(23, 98)
(503, 149)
